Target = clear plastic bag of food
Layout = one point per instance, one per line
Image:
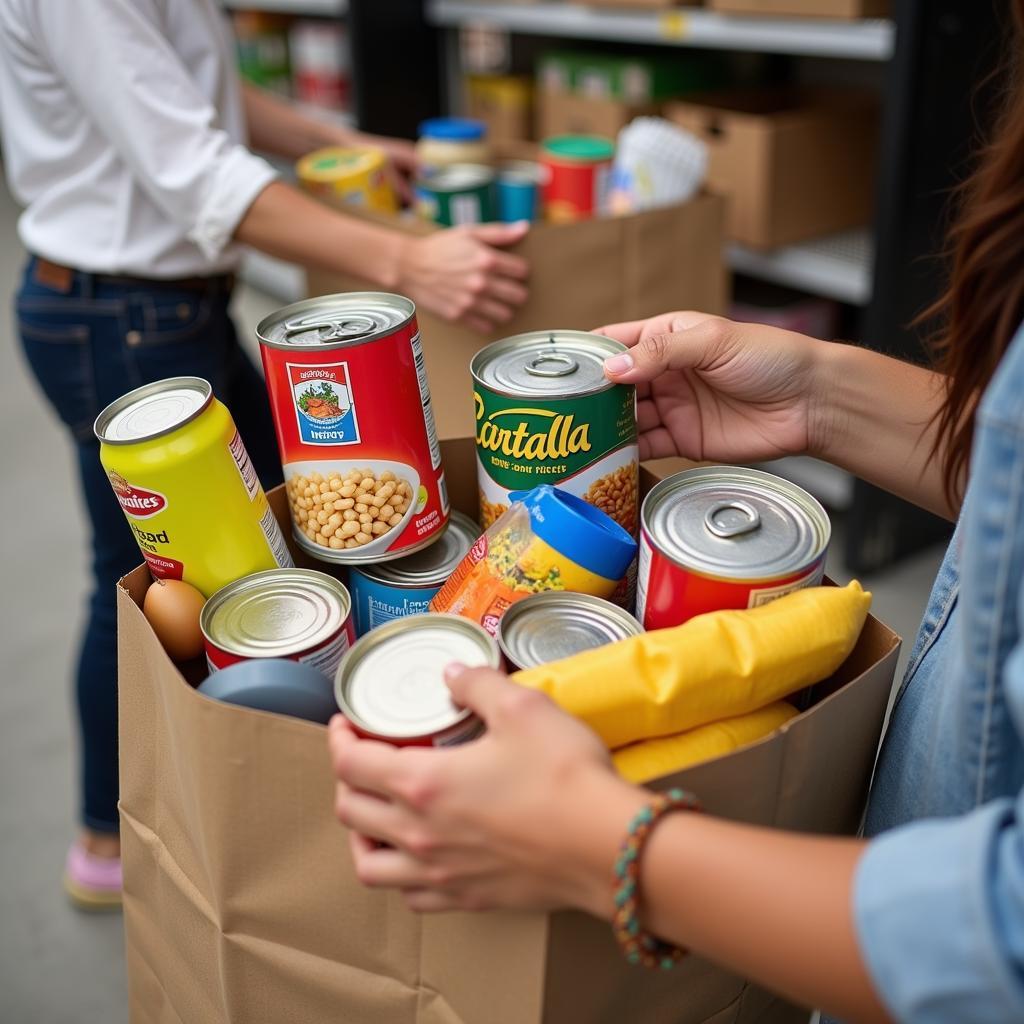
(547, 540)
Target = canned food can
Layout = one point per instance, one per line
(394, 590)
(183, 478)
(355, 426)
(356, 177)
(725, 537)
(390, 685)
(546, 414)
(299, 614)
(458, 194)
(576, 177)
(519, 191)
(555, 625)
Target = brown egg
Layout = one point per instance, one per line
(173, 608)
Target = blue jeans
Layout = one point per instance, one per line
(87, 346)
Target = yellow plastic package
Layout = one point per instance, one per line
(650, 759)
(715, 666)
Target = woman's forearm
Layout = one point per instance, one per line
(775, 907)
(277, 126)
(873, 416)
(290, 225)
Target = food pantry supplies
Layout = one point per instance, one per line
(182, 476)
(458, 194)
(277, 685)
(445, 141)
(555, 624)
(299, 614)
(351, 404)
(652, 759)
(519, 184)
(725, 537)
(546, 414)
(354, 176)
(390, 686)
(576, 177)
(173, 609)
(547, 540)
(715, 666)
(393, 590)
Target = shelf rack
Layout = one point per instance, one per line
(312, 8)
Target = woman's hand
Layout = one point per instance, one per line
(528, 816)
(461, 276)
(712, 389)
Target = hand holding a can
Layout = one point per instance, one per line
(506, 820)
(713, 389)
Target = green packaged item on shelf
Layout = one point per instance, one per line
(635, 80)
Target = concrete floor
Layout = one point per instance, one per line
(58, 966)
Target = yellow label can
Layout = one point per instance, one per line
(355, 177)
(186, 485)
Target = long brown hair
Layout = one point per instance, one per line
(984, 301)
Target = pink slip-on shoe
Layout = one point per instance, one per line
(93, 883)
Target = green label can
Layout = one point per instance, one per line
(546, 414)
(458, 194)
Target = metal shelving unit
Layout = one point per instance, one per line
(313, 8)
(869, 39)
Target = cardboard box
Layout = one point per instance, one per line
(582, 275)
(806, 8)
(240, 902)
(793, 164)
(504, 103)
(565, 113)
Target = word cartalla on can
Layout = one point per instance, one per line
(725, 537)
(183, 478)
(300, 614)
(390, 685)
(355, 426)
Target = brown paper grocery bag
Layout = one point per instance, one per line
(241, 905)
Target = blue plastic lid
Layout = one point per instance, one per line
(452, 129)
(578, 530)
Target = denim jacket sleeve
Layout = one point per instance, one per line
(939, 904)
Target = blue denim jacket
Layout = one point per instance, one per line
(939, 894)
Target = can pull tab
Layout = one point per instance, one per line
(332, 330)
(552, 364)
(732, 519)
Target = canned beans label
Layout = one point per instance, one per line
(585, 445)
(362, 462)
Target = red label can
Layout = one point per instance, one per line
(299, 614)
(725, 537)
(355, 426)
(575, 172)
(390, 686)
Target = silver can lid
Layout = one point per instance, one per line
(558, 624)
(546, 364)
(458, 177)
(276, 613)
(153, 410)
(391, 681)
(335, 321)
(431, 565)
(735, 523)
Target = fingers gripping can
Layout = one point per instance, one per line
(186, 485)
(546, 414)
(725, 537)
(351, 405)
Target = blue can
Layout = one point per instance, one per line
(519, 191)
(393, 590)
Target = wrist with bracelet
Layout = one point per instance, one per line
(637, 945)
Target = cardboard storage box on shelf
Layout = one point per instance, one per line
(806, 8)
(240, 901)
(582, 275)
(565, 113)
(504, 103)
(793, 164)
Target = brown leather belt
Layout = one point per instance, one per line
(61, 278)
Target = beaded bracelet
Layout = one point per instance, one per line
(638, 946)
